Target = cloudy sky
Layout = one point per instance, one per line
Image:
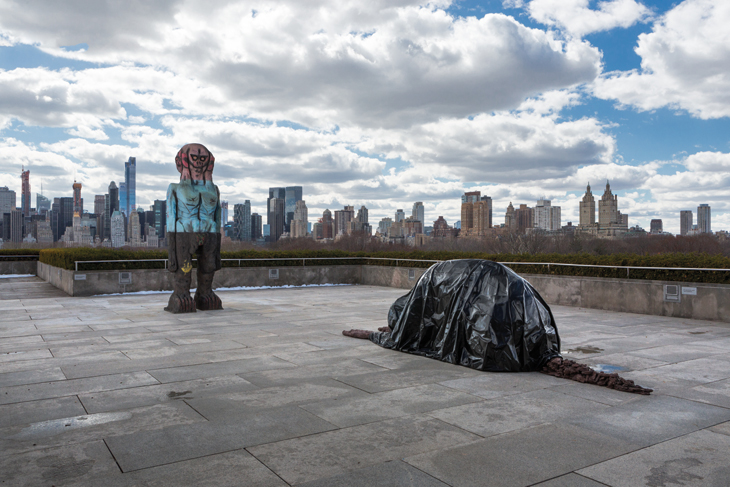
(376, 102)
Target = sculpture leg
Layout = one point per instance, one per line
(205, 298)
(181, 301)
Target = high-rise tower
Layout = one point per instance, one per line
(685, 221)
(78, 202)
(292, 195)
(25, 195)
(587, 208)
(130, 180)
(704, 224)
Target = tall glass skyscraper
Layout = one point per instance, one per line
(292, 195)
(123, 198)
(130, 179)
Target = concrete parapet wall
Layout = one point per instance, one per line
(701, 301)
(390, 276)
(18, 267)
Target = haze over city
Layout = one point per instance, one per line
(380, 104)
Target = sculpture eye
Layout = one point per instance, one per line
(203, 158)
(193, 157)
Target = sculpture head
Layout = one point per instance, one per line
(194, 161)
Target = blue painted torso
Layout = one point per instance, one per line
(193, 206)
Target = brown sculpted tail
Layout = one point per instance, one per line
(568, 369)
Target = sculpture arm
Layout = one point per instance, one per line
(172, 215)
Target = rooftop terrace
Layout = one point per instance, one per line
(114, 391)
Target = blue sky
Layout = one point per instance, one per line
(377, 103)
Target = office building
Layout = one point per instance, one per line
(65, 216)
(25, 192)
(685, 221)
(418, 212)
(42, 204)
(328, 225)
(113, 198)
(16, 226)
(704, 223)
(123, 198)
(524, 218)
(292, 194)
(384, 225)
(256, 226)
(134, 231)
(7, 200)
(276, 218)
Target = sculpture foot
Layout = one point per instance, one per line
(363, 334)
(180, 304)
(208, 302)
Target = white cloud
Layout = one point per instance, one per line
(685, 63)
(366, 63)
(576, 18)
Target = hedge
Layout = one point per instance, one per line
(7, 254)
(66, 258)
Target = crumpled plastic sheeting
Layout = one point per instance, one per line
(475, 313)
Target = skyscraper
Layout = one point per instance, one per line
(42, 204)
(78, 202)
(685, 221)
(242, 221)
(16, 226)
(704, 224)
(99, 202)
(256, 226)
(299, 223)
(328, 225)
(525, 218)
(7, 200)
(224, 212)
(510, 220)
(117, 229)
(292, 195)
(400, 215)
(130, 180)
(113, 198)
(608, 207)
(342, 220)
(65, 215)
(587, 208)
(123, 198)
(160, 209)
(25, 195)
(418, 212)
(275, 193)
(276, 218)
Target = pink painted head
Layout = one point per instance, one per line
(194, 161)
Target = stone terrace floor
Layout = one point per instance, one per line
(114, 391)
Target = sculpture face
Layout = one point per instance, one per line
(194, 161)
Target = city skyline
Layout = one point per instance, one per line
(347, 109)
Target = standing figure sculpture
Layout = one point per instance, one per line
(193, 229)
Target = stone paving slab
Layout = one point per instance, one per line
(149, 395)
(535, 454)
(314, 457)
(175, 443)
(388, 474)
(698, 459)
(269, 391)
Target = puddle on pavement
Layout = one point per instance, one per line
(697, 332)
(178, 395)
(56, 426)
(607, 368)
(584, 349)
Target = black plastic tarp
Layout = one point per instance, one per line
(475, 313)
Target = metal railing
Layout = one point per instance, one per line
(398, 261)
